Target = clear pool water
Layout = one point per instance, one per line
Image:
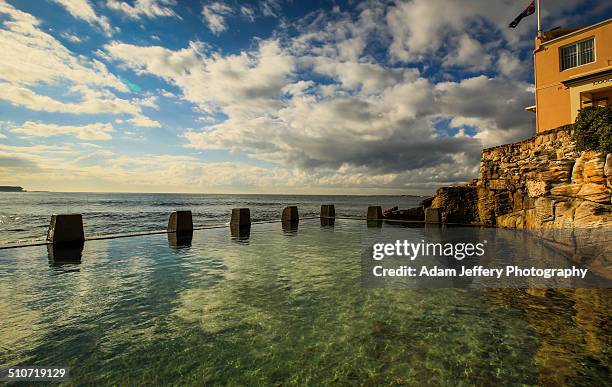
(283, 307)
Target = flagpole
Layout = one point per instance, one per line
(538, 14)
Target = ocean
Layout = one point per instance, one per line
(25, 216)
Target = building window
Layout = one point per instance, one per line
(578, 54)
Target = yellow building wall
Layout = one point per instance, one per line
(557, 104)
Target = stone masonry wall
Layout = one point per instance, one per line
(544, 182)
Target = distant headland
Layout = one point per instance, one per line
(9, 188)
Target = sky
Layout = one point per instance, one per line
(264, 96)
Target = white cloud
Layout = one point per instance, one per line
(326, 105)
(145, 122)
(271, 7)
(150, 102)
(82, 9)
(214, 16)
(71, 37)
(499, 116)
(510, 65)
(468, 54)
(248, 12)
(97, 131)
(369, 124)
(247, 82)
(92, 101)
(34, 58)
(370, 77)
(419, 28)
(144, 8)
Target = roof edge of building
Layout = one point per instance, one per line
(576, 32)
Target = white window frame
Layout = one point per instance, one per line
(577, 53)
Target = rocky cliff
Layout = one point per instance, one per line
(542, 182)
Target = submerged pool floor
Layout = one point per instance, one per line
(284, 307)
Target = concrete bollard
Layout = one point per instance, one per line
(375, 213)
(432, 215)
(328, 211)
(290, 215)
(241, 217)
(66, 228)
(180, 222)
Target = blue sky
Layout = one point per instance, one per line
(268, 96)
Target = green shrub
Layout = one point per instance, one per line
(593, 129)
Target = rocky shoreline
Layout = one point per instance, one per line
(539, 183)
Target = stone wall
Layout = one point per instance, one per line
(457, 204)
(542, 182)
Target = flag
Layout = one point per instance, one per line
(530, 10)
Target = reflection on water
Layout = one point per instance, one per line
(62, 254)
(374, 223)
(280, 310)
(328, 222)
(240, 234)
(179, 240)
(290, 228)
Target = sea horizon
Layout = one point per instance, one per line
(25, 216)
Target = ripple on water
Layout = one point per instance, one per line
(284, 309)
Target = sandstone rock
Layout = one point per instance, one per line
(530, 219)
(508, 220)
(594, 170)
(538, 140)
(390, 211)
(566, 190)
(608, 169)
(411, 214)
(457, 204)
(564, 215)
(518, 200)
(529, 203)
(486, 206)
(427, 202)
(577, 171)
(535, 188)
(545, 210)
(595, 192)
(432, 215)
(497, 184)
(541, 183)
(503, 203)
(557, 171)
(589, 214)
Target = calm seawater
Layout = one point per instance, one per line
(284, 307)
(25, 216)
